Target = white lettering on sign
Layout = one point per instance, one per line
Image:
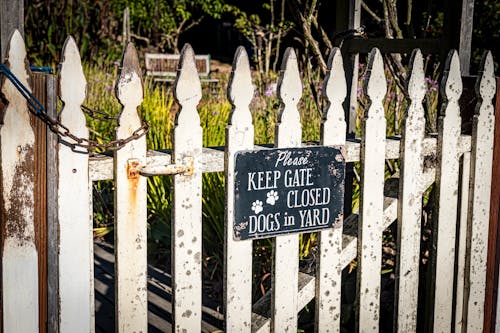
(308, 197)
(263, 180)
(284, 157)
(314, 217)
(288, 190)
(298, 177)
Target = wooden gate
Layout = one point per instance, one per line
(461, 176)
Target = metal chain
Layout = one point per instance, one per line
(87, 144)
(37, 108)
(97, 114)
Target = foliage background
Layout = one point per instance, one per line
(164, 25)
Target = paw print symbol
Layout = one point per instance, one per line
(272, 197)
(257, 206)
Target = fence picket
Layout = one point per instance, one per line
(130, 204)
(238, 254)
(186, 217)
(19, 254)
(371, 210)
(329, 267)
(75, 250)
(286, 248)
(479, 204)
(444, 233)
(410, 199)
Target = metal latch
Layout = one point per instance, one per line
(134, 168)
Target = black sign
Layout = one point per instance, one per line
(285, 190)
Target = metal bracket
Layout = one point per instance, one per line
(134, 168)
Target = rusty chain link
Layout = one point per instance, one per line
(37, 108)
(87, 144)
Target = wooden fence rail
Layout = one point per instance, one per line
(461, 178)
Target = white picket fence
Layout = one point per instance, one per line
(291, 290)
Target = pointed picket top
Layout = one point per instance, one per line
(72, 71)
(128, 89)
(451, 85)
(15, 60)
(486, 84)
(240, 88)
(17, 110)
(72, 85)
(416, 80)
(334, 91)
(335, 87)
(289, 87)
(376, 84)
(187, 87)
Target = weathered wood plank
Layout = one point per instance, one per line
(445, 228)
(237, 254)
(19, 254)
(75, 251)
(329, 267)
(186, 217)
(52, 220)
(372, 198)
(479, 204)
(38, 86)
(101, 166)
(410, 199)
(286, 248)
(130, 203)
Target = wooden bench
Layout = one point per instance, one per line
(163, 67)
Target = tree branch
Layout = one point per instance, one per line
(393, 17)
(374, 15)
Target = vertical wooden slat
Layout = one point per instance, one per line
(410, 199)
(19, 254)
(372, 198)
(445, 225)
(286, 248)
(238, 254)
(52, 220)
(186, 217)
(75, 252)
(461, 241)
(329, 269)
(38, 85)
(479, 204)
(130, 204)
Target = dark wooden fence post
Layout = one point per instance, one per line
(44, 88)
